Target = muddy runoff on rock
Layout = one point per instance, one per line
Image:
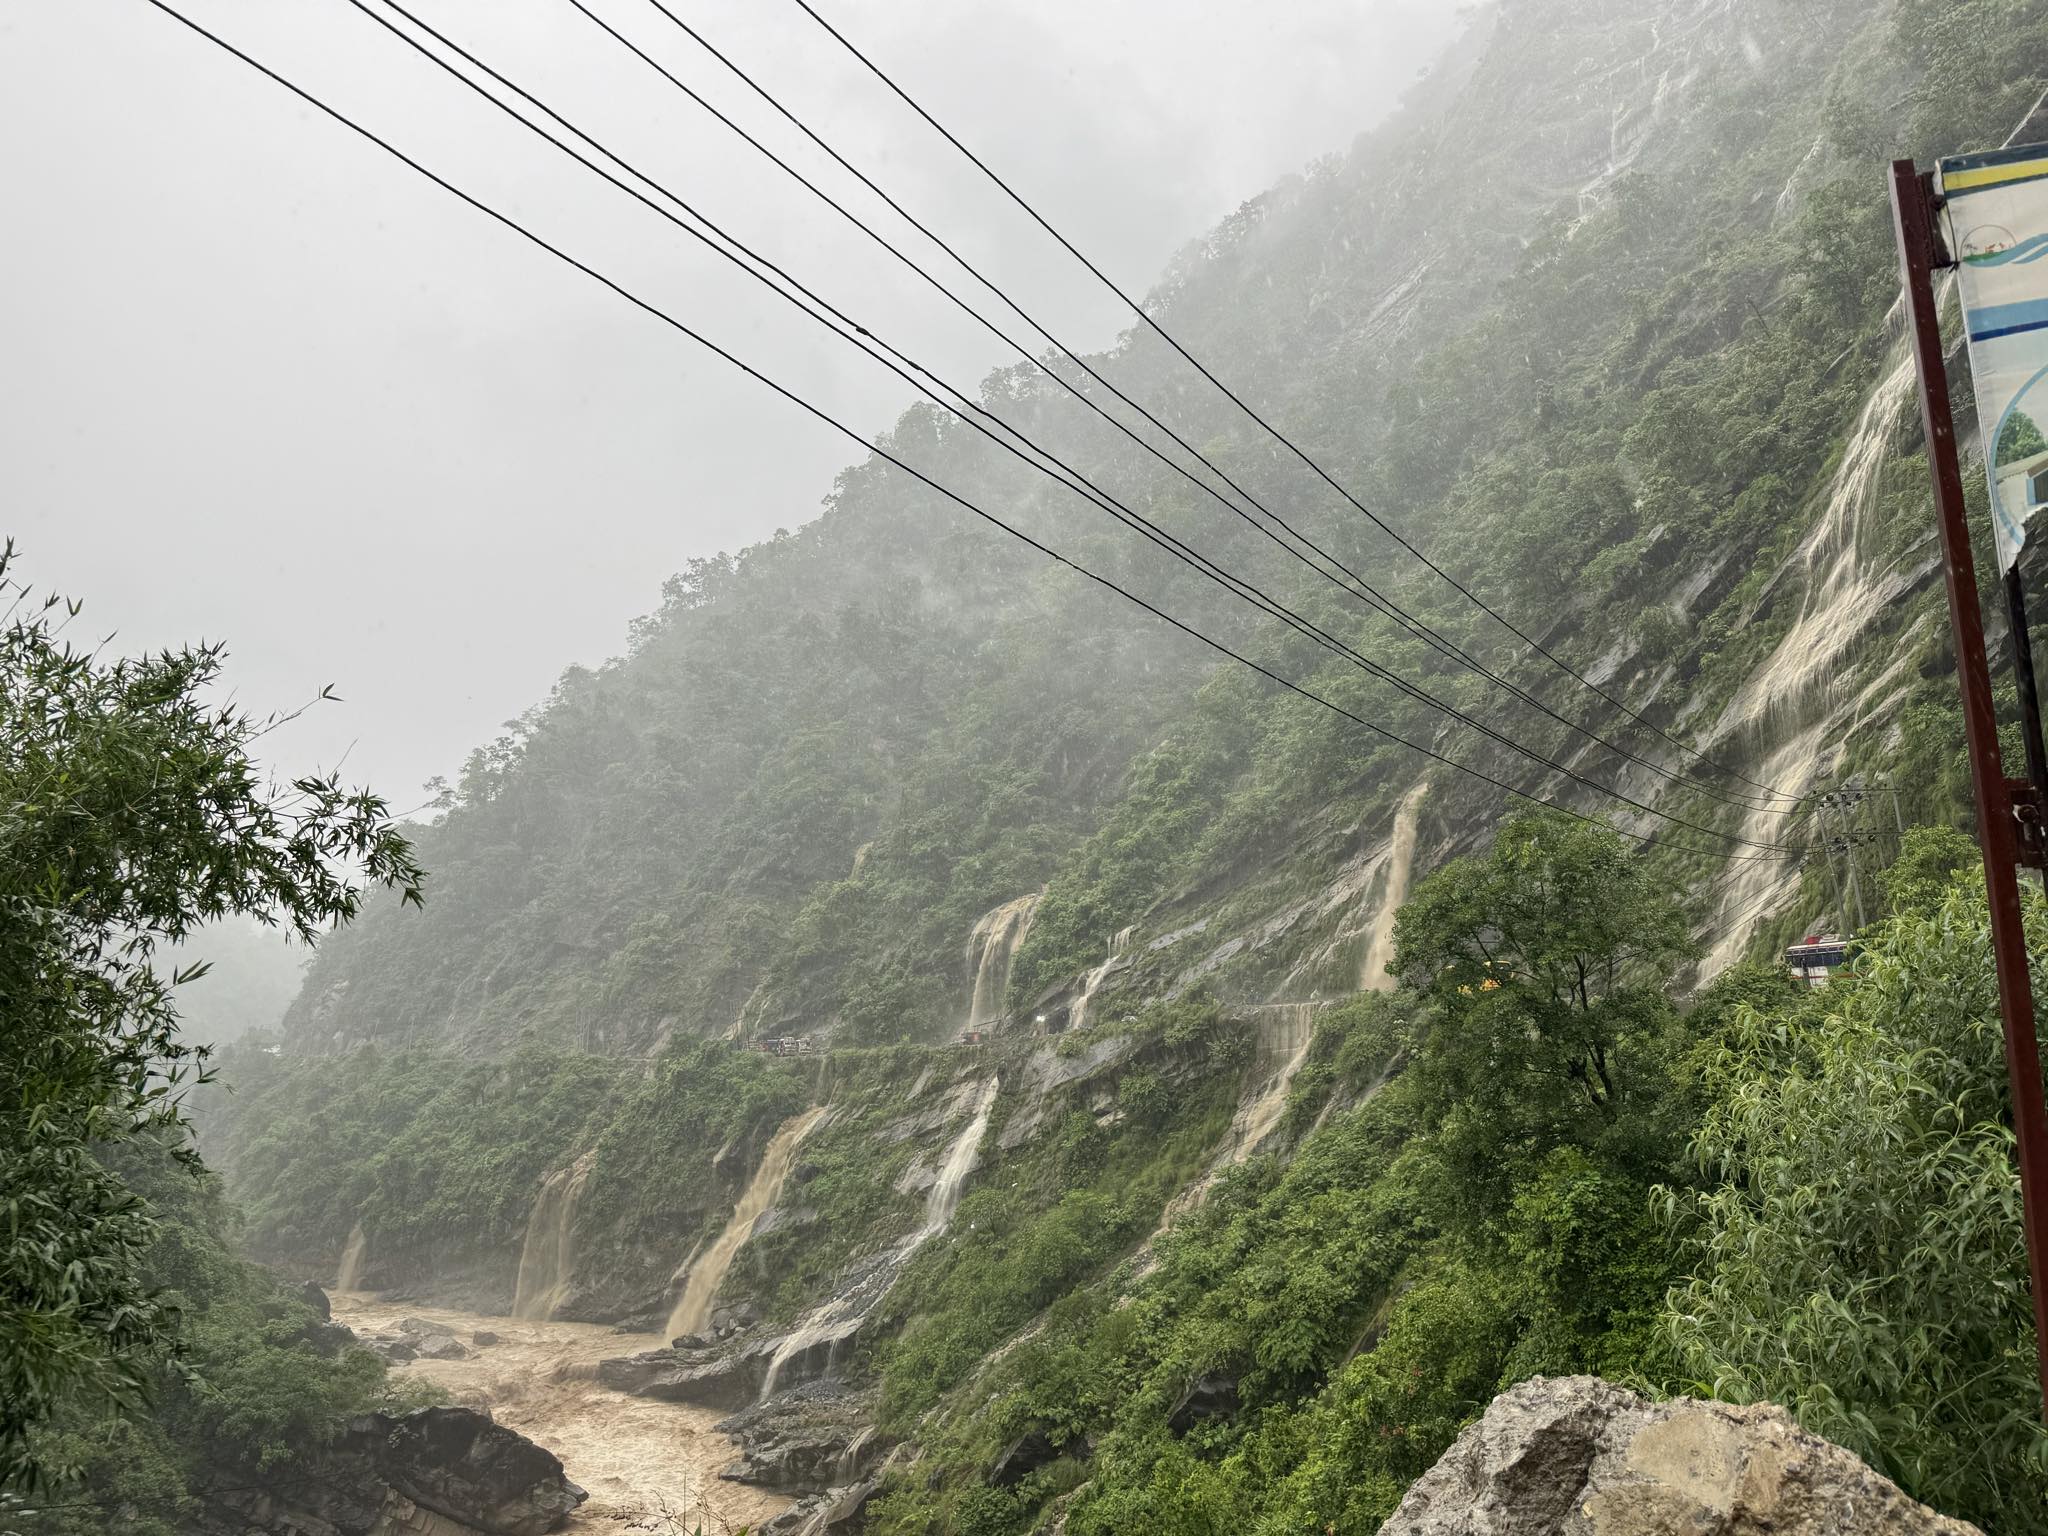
(647, 1465)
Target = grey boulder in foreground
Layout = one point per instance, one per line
(1579, 1456)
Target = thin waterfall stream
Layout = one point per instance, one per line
(1077, 1015)
(547, 1259)
(693, 1308)
(1379, 947)
(348, 1274)
(991, 947)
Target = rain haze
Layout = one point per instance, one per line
(271, 388)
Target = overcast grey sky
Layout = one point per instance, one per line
(263, 384)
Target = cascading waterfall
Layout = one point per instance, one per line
(1077, 1015)
(1796, 688)
(693, 1308)
(1753, 885)
(1379, 947)
(1842, 594)
(1286, 1030)
(547, 1259)
(350, 1271)
(944, 1198)
(990, 948)
(828, 1326)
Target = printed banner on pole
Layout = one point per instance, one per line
(1998, 223)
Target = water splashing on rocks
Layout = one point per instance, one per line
(1797, 691)
(1077, 1016)
(649, 1466)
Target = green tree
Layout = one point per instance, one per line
(1545, 965)
(1859, 1256)
(2020, 438)
(131, 811)
(1930, 859)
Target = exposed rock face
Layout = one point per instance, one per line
(1577, 1456)
(722, 1375)
(808, 1440)
(1206, 1397)
(417, 1339)
(1023, 1456)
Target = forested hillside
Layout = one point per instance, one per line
(1600, 367)
(1198, 1118)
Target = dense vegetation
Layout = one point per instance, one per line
(1774, 1194)
(135, 812)
(1621, 370)
(258, 1382)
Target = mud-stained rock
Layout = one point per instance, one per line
(435, 1472)
(808, 1440)
(727, 1375)
(462, 1464)
(1577, 1456)
(840, 1509)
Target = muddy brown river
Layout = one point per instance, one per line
(648, 1466)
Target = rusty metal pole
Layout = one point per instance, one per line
(1997, 832)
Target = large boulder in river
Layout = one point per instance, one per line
(435, 1472)
(1577, 1456)
(439, 1346)
(728, 1375)
(460, 1463)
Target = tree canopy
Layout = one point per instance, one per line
(132, 809)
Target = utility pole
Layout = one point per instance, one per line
(1997, 827)
(1840, 802)
(1827, 848)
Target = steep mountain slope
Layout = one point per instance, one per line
(1601, 322)
(1567, 359)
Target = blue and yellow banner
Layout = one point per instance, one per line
(1998, 231)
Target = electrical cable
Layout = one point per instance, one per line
(1152, 324)
(1356, 585)
(850, 330)
(885, 454)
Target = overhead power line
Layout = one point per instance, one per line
(848, 329)
(1350, 581)
(1274, 432)
(826, 418)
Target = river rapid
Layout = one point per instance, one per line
(648, 1466)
